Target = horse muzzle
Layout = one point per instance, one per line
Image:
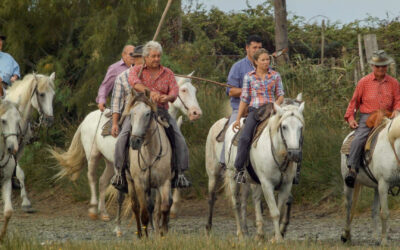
(194, 113)
(136, 142)
(295, 155)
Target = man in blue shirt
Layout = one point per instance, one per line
(235, 79)
(9, 68)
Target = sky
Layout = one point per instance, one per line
(344, 11)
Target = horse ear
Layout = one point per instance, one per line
(191, 73)
(278, 109)
(147, 93)
(53, 76)
(301, 108)
(299, 97)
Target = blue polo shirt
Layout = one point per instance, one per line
(235, 78)
(8, 67)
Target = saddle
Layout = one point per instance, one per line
(262, 116)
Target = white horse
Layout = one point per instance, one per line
(89, 145)
(10, 119)
(385, 168)
(213, 168)
(280, 143)
(34, 91)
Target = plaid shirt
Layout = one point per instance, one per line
(257, 92)
(164, 83)
(371, 95)
(120, 92)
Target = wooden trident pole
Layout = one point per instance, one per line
(162, 19)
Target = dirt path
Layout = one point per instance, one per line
(64, 220)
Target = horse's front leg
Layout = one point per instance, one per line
(234, 192)
(212, 195)
(374, 214)
(268, 190)
(92, 163)
(26, 204)
(176, 198)
(141, 196)
(103, 184)
(256, 195)
(120, 200)
(135, 207)
(244, 195)
(383, 188)
(348, 193)
(8, 210)
(284, 206)
(165, 207)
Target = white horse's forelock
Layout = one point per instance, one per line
(289, 110)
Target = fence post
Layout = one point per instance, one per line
(360, 53)
(322, 41)
(370, 44)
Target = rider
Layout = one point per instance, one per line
(161, 83)
(375, 91)
(260, 86)
(235, 79)
(112, 72)
(119, 97)
(9, 68)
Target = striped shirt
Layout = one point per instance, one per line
(371, 95)
(120, 92)
(257, 92)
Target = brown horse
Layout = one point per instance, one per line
(150, 163)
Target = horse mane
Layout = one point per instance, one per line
(18, 91)
(289, 110)
(134, 98)
(6, 105)
(394, 129)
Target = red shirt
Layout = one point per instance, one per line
(164, 83)
(371, 95)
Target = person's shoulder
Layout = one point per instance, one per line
(5, 55)
(123, 74)
(391, 79)
(366, 78)
(239, 63)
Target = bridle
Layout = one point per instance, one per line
(41, 112)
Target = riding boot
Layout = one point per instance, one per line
(14, 180)
(350, 177)
(119, 180)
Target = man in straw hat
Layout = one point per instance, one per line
(9, 68)
(376, 91)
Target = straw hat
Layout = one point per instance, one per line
(380, 58)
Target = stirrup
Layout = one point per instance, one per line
(181, 182)
(119, 182)
(350, 178)
(239, 177)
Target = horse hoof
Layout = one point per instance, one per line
(105, 217)
(28, 209)
(344, 239)
(208, 228)
(93, 216)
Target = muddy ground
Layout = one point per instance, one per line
(62, 219)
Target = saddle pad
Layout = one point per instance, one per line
(106, 129)
(257, 132)
(221, 136)
(345, 149)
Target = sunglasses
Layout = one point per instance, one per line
(133, 55)
(380, 66)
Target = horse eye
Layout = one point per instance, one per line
(147, 115)
(284, 127)
(183, 90)
(4, 122)
(41, 95)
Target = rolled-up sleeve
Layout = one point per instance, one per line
(279, 91)
(354, 102)
(16, 70)
(246, 90)
(233, 78)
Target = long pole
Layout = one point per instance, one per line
(162, 19)
(206, 80)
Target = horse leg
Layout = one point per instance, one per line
(120, 200)
(374, 214)
(144, 213)
(8, 210)
(212, 184)
(150, 197)
(383, 188)
(268, 190)
(165, 207)
(135, 207)
(104, 182)
(176, 198)
(234, 189)
(256, 195)
(284, 206)
(244, 195)
(92, 163)
(348, 193)
(157, 213)
(26, 204)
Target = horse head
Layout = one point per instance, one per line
(141, 110)
(10, 118)
(42, 97)
(290, 127)
(187, 101)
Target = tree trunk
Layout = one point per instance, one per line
(281, 35)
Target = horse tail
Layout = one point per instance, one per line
(356, 196)
(71, 161)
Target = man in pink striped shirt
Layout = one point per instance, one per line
(112, 72)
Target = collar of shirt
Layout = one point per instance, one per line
(385, 78)
(247, 60)
(162, 69)
(253, 73)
